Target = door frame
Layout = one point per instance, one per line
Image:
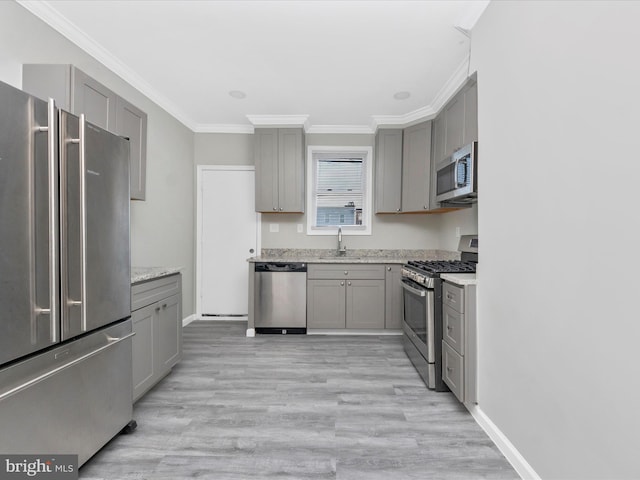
(200, 171)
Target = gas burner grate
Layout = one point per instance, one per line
(443, 266)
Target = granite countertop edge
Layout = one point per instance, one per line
(143, 274)
(354, 256)
(461, 279)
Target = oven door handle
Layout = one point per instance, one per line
(415, 291)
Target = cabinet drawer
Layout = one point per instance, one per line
(146, 293)
(453, 328)
(452, 370)
(453, 296)
(349, 271)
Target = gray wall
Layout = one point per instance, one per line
(162, 227)
(388, 231)
(558, 119)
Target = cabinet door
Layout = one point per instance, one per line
(266, 162)
(96, 101)
(454, 124)
(326, 303)
(394, 308)
(470, 115)
(144, 321)
(290, 170)
(365, 304)
(437, 156)
(453, 370)
(388, 194)
(416, 168)
(131, 123)
(169, 327)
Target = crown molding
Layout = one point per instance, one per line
(342, 129)
(279, 121)
(451, 87)
(222, 128)
(45, 12)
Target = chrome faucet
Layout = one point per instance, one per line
(342, 249)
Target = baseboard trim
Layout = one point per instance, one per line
(187, 320)
(507, 448)
(351, 331)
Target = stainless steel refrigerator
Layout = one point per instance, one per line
(65, 293)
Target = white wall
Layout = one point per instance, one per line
(162, 227)
(558, 110)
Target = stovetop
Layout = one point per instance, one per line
(436, 267)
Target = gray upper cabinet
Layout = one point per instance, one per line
(416, 168)
(96, 101)
(461, 120)
(388, 196)
(131, 122)
(279, 162)
(75, 91)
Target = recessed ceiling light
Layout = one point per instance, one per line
(237, 94)
(401, 95)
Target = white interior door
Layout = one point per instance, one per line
(229, 234)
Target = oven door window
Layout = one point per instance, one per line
(415, 309)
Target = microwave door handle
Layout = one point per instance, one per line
(455, 177)
(455, 173)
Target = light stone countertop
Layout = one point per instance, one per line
(461, 279)
(141, 274)
(353, 256)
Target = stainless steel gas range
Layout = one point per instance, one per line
(422, 296)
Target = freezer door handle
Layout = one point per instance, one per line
(52, 193)
(112, 341)
(82, 303)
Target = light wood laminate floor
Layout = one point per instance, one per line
(296, 407)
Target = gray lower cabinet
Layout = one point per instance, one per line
(157, 322)
(75, 91)
(459, 352)
(279, 161)
(345, 296)
(393, 305)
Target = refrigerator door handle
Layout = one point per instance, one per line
(52, 186)
(82, 303)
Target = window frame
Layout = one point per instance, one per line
(367, 205)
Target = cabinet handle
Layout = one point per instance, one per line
(398, 210)
(349, 283)
(449, 296)
(346, 272)
(275, 209)
(425, 207)
(164, 305)
(449, 369)
(388, 269)
(449, 328)
(280, 208)
(342, 284)
(157, 309)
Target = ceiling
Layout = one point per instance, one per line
(333, 66)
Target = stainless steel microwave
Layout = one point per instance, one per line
(457, 177)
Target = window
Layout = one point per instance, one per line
(339, 190)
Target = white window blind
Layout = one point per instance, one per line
(340, 186)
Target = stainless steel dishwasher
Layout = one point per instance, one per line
(280, 297)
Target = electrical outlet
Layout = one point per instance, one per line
(274, 227)
(299, 228)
